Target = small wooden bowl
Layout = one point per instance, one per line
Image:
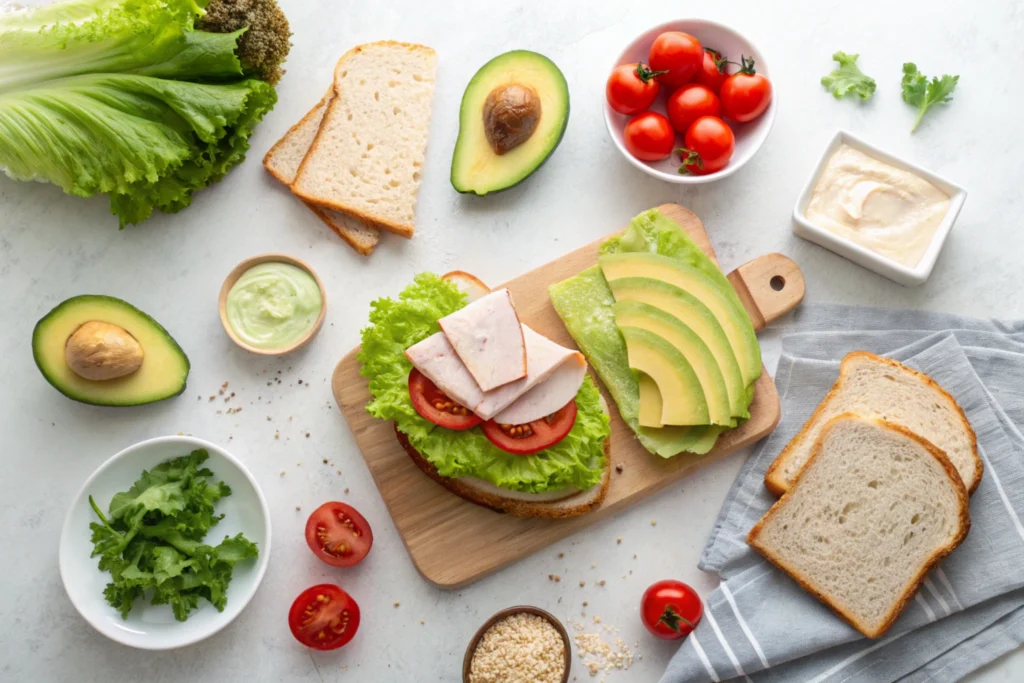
(241, 268)
(475, 640)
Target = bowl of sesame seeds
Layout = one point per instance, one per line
(521, 644)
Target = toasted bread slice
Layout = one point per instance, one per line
(873, 385)
(873, 511)
(369, 150)
(283, 161)
(559, 505)
(470, 284)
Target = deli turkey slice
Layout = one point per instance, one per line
(555, 375)
(488, 339)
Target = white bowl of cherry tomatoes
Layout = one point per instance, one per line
(689, 101)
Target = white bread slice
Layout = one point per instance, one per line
(875, 508)
(873, 385)
(370, 147)
(283, 161)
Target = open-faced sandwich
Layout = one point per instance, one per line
(490, 409)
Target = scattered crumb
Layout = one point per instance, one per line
(619, 539)
(346, 489)
(598, 654)
(396, 603)
(277, 435)
(339, 472)
(325, 461)
(561, 555)
(422, 621)
(307, 435)
(601, 582)
(582, 584)
(593, 565)
(554, 577)
(654, 522)
(619, 468)
(282, 473)
(298, 507)
(298, 463)
(585, 603)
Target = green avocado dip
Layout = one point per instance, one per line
(273, 305)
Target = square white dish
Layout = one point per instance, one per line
(862, 256)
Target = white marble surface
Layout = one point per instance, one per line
(53, 246)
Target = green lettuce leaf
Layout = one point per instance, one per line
(124, 98)
(584, 303)
(848, 78)
(395, 325)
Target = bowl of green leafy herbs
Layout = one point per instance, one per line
(166, 543)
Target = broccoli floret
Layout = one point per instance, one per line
(265, 45)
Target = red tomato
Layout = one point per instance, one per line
(324, 617)
(691, 102)
(434, 405)
(671, 609)
(649, 137)
(677, 53)
(535, 436)
(632, 88)
(746, 94)
(338, 534)
(712, 72)
(709, 146)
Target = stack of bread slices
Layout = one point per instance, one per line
(356, 158)
(874, 491)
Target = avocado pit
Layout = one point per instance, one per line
(101, 351)
(511, 114)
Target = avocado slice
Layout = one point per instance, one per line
(651, 404)
(513, 115)
(685, 340)
(102, 336)
(725, 306)
(683, 401)
(688, 309)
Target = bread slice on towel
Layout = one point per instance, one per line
(875, 508)
(873, 385)
(369, 150)
(283, 161)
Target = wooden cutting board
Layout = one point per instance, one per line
(453, 542)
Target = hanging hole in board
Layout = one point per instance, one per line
(777, 283)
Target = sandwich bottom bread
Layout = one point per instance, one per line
(874, 509)
(873, 385)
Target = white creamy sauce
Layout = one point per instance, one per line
(889, 210)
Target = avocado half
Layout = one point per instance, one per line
(476, 167)
(161, 375)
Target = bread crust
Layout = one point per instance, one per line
(775, 481)
(360, 248)
(915, 584)
(402, 229)
(519, 508)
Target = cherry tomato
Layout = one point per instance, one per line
(691, 102)
(671, 609)
(746, 94)
(632, 88)
(338, 534)
(712, 73)
(324, 617)
(434, 405)
(535, 436)
(709, 146)
(649, 137)
(677, 53)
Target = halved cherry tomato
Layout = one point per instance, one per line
(712, 72)
(709, 146)
(323, 617)
(678, 53)
(691, 102)
(338, 534)
(746, 94)
(632, 88)
(649, 137)
(434, 405)
(535, 436)
(670, 609)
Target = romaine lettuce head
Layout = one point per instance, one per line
(395, 325)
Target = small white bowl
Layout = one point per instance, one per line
(151, 627)
(749, 136)
(863, 256)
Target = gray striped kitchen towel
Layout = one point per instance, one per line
(760, 626)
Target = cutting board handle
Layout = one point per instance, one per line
(770, 286)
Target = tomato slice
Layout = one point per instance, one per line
(338, 534)
(324, 617)
(532, 437)
(434, 405)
